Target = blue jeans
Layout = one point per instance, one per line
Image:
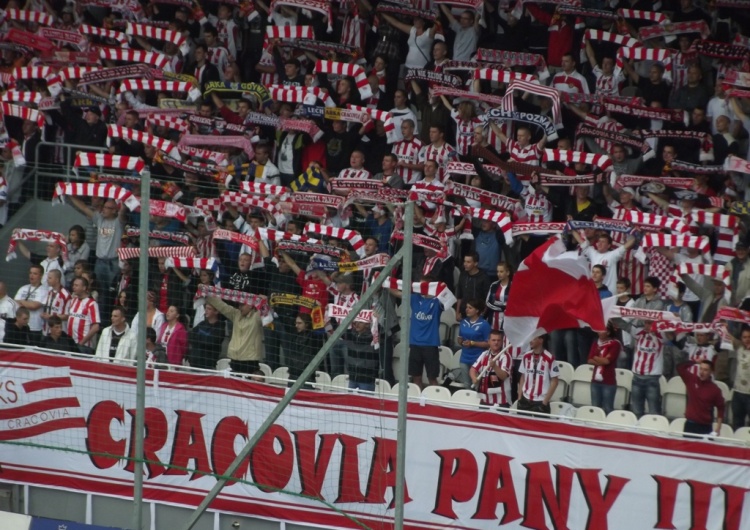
(645, 389)
(370, 387)
(740, 409)
(603, 396)
(563, 345)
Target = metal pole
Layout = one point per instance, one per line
(298, 384)
(403, 388)
(140, 395)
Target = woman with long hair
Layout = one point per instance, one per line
(473, 337)
(603, 355)
(497, 297)
(173, 336)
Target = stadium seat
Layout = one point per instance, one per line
(743, 433)
(724, 390)
(322, 381)
(590, 413)
(446, 359)
(562, 409)
(566, 377)
(674, 399)
(726, 431)
(266, 369)
(414, 390)
(624, 387)
(280, 376)
(340, 383)
(622, 417)
(223, 364)
(398, 350)
(654, 422)
(467, 397)
(438, 393)
(677, 426)
(448, 317)
(580, 385)
(382, 387)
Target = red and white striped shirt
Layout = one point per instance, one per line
(538, 371)
(205, 247)
(442, 155)
(697, 354)
(266, 79)
(526, 155)
(607, 85)
(648, 358)
(605, 123)
(494, 391)
(354, 31)
(573, 83)
(82, 314)
(219, 56)
(351, 173)
(464, 132)
(229, 36)
(55, 304)
(536, 206)
(408, 151)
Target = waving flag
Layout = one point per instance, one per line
(552, 290)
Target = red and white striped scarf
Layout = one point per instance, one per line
(346, 69)
(718, 272)
(156, 252)
(509, 59)
(437, 289)
(249, 202)
(603, 162)
(321, 6)
(502, 76)
(96, 31)
(651, 220)
(538, 90)
(636, 180)
(639, 53)
(501, 219)
(174, 262)
(727, 230)
(32, 234)
(607, 36)
(257, 302)
(104, 190)
(675, 28)
(352, 236)
(24, 15)
(701, 243)
(287, 33)
(21, 96)
(170, 122)
(183, 238)
(162, 144)
(380, 115)
(31, 72)
(166, 209)
(76, 72)
(161, 85)
(495, 200)
(495, 101)
(152, 32)
(218, 158)
(297, 94)
(25, 113)
(240, 142)
(638, 14)
(265, 189)
(236, 237)
(269, 234)
(132, 163)
(158, 60)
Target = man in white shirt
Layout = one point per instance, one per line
(51, 262)
(569, 80)
(539, 377)
(32, 297)
(7, 308)
(603, 254)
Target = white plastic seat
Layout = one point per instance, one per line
(566, 377)
(448, 316)
(580, 386)
(322, 381)
(674, 399)
(465, 396)
(398, 350)
(340, 383)
(280, 376)
(266, 369)
(677, 426)
(590, 413)
(726, 431)
(624, 387)
(438, 393)
(654, 422)
(446, 359)
(724, 390)
(382, 387)
(414, 390)
(223, 364)
(562, 409)
(622, 417)
(743, 433)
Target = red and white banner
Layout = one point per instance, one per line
(466, 468)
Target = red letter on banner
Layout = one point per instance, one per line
(268, 467)
(665, 501)
(156, 430)
(189, 444)
(222, 446)
(599, 505)
(383, 473)
(312, 469)
(457, 480)
(350, 489)
(734, 500)
(540, 494)
(497, 488)
(99, 438)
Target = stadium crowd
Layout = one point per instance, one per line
(282, 140)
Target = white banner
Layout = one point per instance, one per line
(465, 468)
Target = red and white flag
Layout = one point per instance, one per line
(552, 290)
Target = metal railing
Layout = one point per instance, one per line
(64, 171)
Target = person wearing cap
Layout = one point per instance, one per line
(378, 225)
(88, 129)
(739, 273)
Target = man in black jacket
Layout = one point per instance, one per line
(203, 70)
(89, 129)
(17, 330)
(206, 339)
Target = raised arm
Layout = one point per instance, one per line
(82, 207)
(447, 12)
(396, 23)
(632, 74)
(289, 261)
